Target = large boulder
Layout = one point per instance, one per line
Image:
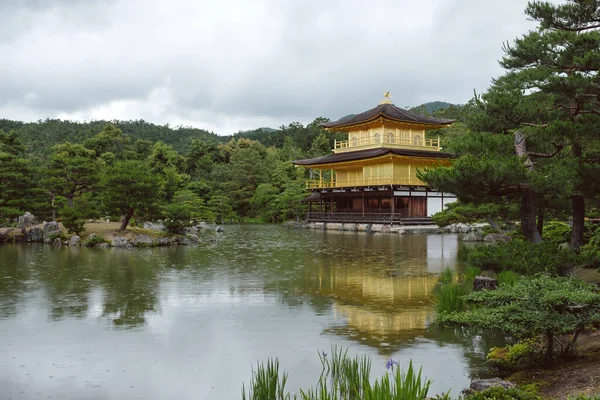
(484, 283)
(473, 236)
(51, 226)
(192, 238)
(74, 240)
(57, 242)
(120, 242)
(463, 228)
(164, 241)
(496, 238)
(35, 235)
(219, 229)
(142, 241)
(479, 385)
(26, 220)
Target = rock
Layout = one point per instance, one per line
(183, 241)
(142, 241)
(564, 246)
(50, 236)
(35, 235)
(463, 228)
(26, 220)
(473, 236)
(57, 242)
(147, 225)
(120, 242)
(50, 227)
(192, 229)
(399, 231)
(369, 228)
(496, 238)
(92, 236)
(4, 234)
(74, 240)
(164, 241)
(102, 245)
(479, 385)
(192, 238)
(219, 229)
(484, 283)
(129, 246)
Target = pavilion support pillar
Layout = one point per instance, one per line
(393, 206)
(363, 203)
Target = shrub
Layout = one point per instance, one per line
(556, 232)
(524, 258)
(507, 277)
(498, 393)
(94, 240)
(534, 306)
(177, 217)
(72, 220)
(518, 356)
(584, 397)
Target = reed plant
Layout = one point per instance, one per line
(342, 378)
(449, 298)
(267, 383)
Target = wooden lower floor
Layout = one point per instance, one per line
(377, 205)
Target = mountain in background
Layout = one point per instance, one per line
(434, 106)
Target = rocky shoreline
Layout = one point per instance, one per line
(101, 235)
(470, 232)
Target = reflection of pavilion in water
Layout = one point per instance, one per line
(385, 309)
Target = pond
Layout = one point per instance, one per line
(189, 322)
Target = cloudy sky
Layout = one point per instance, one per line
(229, 65)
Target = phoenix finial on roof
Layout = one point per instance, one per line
(388, 98)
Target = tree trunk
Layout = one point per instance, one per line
(125, 220)
(528, 215)
(578, 222)
(550, 344)
(540, 220)
(69, 197)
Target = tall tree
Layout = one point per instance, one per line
(131, 188)
(562, 59)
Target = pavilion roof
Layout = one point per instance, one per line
(370, 153)
(389, 111)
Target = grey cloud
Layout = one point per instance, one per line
(260, 60)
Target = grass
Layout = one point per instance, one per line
(342, 378)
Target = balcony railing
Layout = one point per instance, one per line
(358, 217)
(377, 140)
(368, 181)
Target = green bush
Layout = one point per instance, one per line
(177, 217)
(94, 240)
(524, 258)
(584, 397)
(507, 277)
(556, 232)
(534, 307)
(498, 393)
(518, 356)
(72, 220)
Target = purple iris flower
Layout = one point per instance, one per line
(390, 364)
(324, 354)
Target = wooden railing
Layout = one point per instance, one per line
(382, 217)
(369, 181)
(388, 141)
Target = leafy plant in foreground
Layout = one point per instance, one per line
(532, 307)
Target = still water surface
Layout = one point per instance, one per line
(188, 322)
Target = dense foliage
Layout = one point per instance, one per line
(534, 138)
(532, 307)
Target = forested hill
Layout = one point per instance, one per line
(39, 137)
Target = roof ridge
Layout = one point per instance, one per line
(405, 112)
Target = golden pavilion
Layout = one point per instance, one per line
(372, 176)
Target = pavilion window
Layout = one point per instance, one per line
(391, 138)
(417, 140)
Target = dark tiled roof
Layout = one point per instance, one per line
(371, 153)
(389, 111)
